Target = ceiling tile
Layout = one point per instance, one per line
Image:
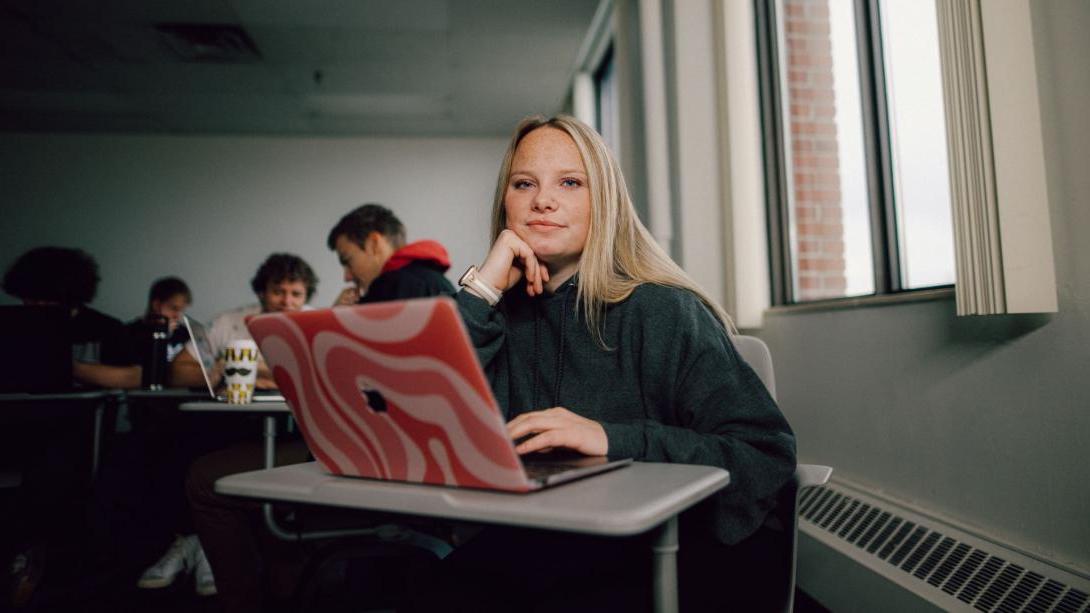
(196, 78)
(328, 45)
(21, 40)
(419, 67)
(45, 121)
(389, 15)
(518, 50)
(54, 76)
(490, 17)
(130, 11)
(370, 77)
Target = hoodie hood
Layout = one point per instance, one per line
(429, 252)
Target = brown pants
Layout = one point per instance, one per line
(230, 529)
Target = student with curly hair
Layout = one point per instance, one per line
(283, 282)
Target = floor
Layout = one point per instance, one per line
(117, 591)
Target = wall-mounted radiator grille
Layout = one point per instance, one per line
(945, 565)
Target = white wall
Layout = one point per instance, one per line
(210, 209)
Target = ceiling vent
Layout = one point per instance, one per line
(209, 42)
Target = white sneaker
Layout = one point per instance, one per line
(205, 583)
(173, 563)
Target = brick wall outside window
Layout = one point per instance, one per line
(815, 165)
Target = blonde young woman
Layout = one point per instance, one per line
(596, 342)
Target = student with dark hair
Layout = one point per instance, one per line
(370, 244)
(50, 453)
(59, 276)
(168, 299)
(283, 282)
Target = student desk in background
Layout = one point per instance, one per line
(269, 410)
(622, 502)
(16, 408)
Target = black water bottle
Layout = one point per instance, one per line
(155, 361)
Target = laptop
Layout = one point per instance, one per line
(37, 355)
(394, 391)
(206, 357)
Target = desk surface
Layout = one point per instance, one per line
(169, 393)
(225, 407)
(625, 501)
(82, 395)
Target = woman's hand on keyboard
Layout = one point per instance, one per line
(557, 427)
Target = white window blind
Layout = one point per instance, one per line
(1002, 234)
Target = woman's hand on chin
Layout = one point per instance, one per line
(512, 260)
(558, 427)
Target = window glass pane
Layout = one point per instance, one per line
(606, 85)
(828, 201)
(921, 182)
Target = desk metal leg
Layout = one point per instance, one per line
(96, 443)
(665, 572)
(270, 441)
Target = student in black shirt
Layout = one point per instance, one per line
(51, 455)
(168, 300)
(58, 276)
(370, 244)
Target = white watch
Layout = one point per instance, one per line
(480, 288)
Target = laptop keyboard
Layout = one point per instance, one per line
(546, 469)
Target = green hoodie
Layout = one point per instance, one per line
(670, 388)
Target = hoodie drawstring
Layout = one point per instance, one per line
(559, 369)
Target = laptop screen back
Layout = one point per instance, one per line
(206, 357)
(391, 391)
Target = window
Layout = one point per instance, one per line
(855, 147)
(605, 89)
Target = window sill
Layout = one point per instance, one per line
(921, 295)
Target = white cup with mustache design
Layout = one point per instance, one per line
(240, 371)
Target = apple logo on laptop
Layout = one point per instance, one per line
(374, 400)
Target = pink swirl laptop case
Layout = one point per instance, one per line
(391, 391)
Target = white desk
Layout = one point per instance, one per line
(17, 407)
(624, 502)
(269, 409)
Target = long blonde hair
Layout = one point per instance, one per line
(620, 254)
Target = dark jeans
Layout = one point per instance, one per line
(230, 529)
(138, 502)
(53, 459)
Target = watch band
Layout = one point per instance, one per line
(478, 287)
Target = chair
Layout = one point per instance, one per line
(755, 352)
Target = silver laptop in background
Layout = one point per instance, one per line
(206, 358)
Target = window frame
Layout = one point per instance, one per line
(878, 159)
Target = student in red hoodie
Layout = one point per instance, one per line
(370, 243)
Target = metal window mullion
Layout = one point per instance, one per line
(773, 148)
(878, 152)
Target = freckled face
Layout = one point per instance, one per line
(548, 201)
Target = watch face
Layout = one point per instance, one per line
(467, 277)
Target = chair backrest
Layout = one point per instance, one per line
(806, 475)
(755, 352)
